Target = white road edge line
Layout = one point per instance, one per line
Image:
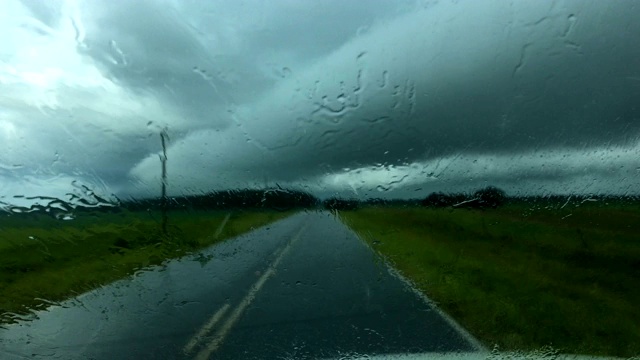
(222, 333)
(206, 328)
(451, 321)
(222, 225)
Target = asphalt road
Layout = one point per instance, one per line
(303, 288)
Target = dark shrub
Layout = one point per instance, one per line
(340, 204)
(437, 200)
(489, 197)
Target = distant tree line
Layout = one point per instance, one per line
(276, 199)
(287, 199)
(341, 204)
(336, 203)
(488, 198)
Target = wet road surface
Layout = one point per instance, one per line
(302, 288)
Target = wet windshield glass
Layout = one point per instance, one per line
(321, 179)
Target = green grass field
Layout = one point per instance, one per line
(44, 260)
(520, 277)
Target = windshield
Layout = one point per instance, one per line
(319, 179)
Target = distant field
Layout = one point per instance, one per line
(44, 260)
(522, 276)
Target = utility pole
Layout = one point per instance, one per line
(164, 138)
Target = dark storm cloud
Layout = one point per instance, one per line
(90, 84)
(477, 78)
(336, 96)
(147, 46)
(191, 53)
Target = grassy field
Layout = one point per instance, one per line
(522, 277)
(44, 260)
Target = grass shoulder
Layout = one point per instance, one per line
(521, 278)
(44, 260)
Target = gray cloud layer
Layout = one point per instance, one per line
(401, 98)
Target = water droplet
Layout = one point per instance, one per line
(362, 30)
(385, 79)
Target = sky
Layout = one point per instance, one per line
(336, 97)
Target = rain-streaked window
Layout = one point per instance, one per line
(332, 179)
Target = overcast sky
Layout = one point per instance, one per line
(371, 98)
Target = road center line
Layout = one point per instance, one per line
(206, 328)
(222, 333)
